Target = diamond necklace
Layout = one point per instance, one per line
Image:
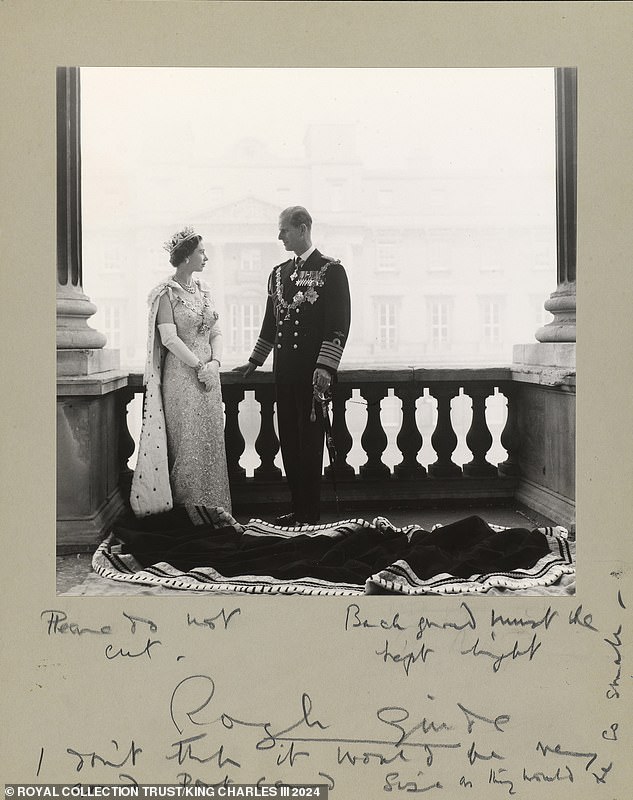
(191, 288)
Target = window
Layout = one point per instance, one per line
(386, 313)
(336, 195)
(111, 259)
(441, 252)
(112, 324)
(491, 319)
(545, 256)
(495, 253)
(385, 198)
(540, 316)
(491, 265)
(245, 323)
(437, 195)
(386, 260)
(250, 260)
(283, 193)
(440, 310)
(491, 268)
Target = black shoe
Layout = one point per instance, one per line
(287, 521)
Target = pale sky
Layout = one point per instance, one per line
(140, 123)
(152, 137)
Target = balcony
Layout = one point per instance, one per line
(408, 481)
(536, 437)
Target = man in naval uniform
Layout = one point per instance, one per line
(306, 324)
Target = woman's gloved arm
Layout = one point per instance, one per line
(170, 339)
(169, 335)
(216, 340)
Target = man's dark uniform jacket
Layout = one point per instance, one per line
(306, 324)
(305, 333)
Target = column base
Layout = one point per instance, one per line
(82, 534)
(545, 354)
(545, 361)
(86, 361)
(544, 377)
(559, 509)
(562, 304)
(89, 427)
(73, 311)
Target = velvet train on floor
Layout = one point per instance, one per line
(206, 550)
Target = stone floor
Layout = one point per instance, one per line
(73, 569)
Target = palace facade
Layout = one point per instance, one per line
(444, 269)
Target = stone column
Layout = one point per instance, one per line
(89, 417)
(544, 373)
(562, 303)
(79, 347)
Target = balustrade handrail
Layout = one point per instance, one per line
(405, 481)
(356, 375)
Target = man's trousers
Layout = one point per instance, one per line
(301, 443)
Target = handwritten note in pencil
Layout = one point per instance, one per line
(446, 698)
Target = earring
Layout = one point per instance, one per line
(186, 260)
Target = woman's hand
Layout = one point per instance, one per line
(209, 374)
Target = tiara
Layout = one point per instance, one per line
(178, 238)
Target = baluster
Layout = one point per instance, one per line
(479, 438)
(374, 439)
(235, 445)
(126, 442)
(342, 437)
(510, 437)
(409, 439)
(443, 438)
(267, 443)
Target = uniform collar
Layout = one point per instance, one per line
(305, 256)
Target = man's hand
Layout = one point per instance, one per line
(321, 379)
(245, 369)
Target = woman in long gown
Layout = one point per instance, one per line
(181, 459)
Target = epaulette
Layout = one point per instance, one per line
(331, 259)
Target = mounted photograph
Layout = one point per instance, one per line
(316, 331)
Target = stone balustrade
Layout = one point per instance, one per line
(374, 481)
(94, 444)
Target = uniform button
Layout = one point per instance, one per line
(279, 334)
(296, 322)
(279, 346)
(294, 346)
(296, 333)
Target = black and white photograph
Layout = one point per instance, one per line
(301, 497)
(316, 330)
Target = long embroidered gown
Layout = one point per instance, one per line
(194, 416)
